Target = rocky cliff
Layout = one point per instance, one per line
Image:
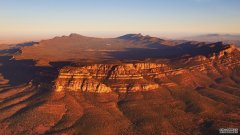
(194, 72)
(110, 77)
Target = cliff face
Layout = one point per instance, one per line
(199, 71)
(104, 78)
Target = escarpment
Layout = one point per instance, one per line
(104, 78)
(199, 71)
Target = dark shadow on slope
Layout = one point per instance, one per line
(168, 52)
(17, 72)
(60, 64)
(20, 72)
(26, 44)
(24, 72)
(17, 48)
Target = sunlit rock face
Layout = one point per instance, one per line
(195, 72)
(85, 85)
(104, 78)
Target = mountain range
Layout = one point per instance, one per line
(128, 85)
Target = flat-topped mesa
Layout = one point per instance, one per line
(104, 78)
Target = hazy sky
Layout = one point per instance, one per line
(35, 18)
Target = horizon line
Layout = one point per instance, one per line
(19, 38)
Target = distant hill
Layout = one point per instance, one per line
(76, 47)
(226, 38)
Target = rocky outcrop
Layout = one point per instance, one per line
(104, 78)
(194, 72)
(84, 85)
